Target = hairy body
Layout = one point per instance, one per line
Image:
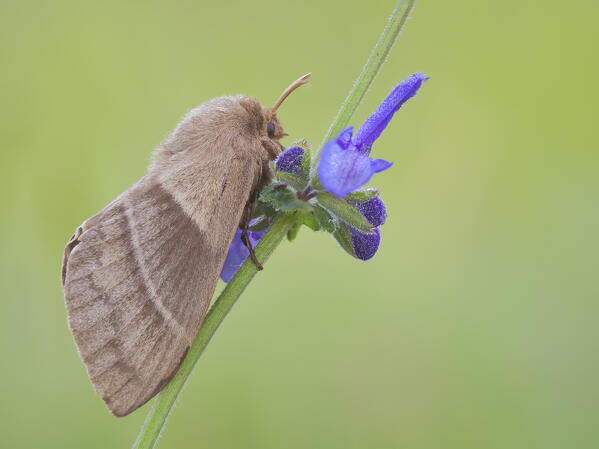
(139, 275)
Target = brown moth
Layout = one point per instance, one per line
(139, 275)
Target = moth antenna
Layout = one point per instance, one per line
(297, 83)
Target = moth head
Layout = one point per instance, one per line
(272, 127)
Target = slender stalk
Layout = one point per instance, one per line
(371, 68)
(164, 402)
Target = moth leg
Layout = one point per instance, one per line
(245, 224)
(245, 238)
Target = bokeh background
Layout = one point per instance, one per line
(476, 324)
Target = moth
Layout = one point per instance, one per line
(139, 275)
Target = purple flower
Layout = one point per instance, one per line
(344, 163)
(238, 253)
(365, 246)
(373, 210)
(290, 160)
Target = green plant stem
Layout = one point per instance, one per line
(371, 68)
(164, 402)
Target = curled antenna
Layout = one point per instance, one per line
(297, 83)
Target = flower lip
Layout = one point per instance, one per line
(341, 171)
(378, 121)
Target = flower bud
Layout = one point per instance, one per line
(290, 160)
(365, 246)
(357, 244)
(373, 210)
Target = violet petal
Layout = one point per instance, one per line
(342, 171)
(344, 137)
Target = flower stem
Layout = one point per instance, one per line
(164, 402)
(371, 68)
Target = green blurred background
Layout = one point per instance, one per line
(476, 324)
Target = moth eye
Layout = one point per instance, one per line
(270, 129)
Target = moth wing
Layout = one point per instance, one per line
(138, 277)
